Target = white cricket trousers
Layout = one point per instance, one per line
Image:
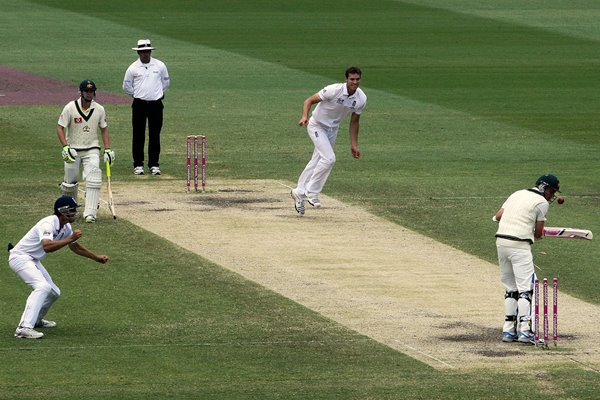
(44, 294)
(516, 268)
(89, 162)
(516, 271)
(316, 172)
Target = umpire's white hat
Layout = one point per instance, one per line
(143, 45)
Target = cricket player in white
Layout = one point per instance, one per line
(77, 131)
(334, 103)
(48, 235)
(521, 221)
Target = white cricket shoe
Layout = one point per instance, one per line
(138, 171)
(44, 323)
(28, 333)
(155, 170)
(89, 219)
(313, 199)
(298, 201)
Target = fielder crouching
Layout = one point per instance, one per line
(77, 131)
(25, 259)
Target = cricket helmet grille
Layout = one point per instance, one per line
(65, 205)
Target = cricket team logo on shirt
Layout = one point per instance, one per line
(78, 120)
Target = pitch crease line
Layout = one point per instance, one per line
(205, 344)
(424, 354)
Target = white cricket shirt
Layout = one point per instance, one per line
(146, 81)
(46, 228)
(522, 210)
(82, 126)
(336, 104)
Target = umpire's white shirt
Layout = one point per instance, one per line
(336, 103)
(46, 228)
(146, 81)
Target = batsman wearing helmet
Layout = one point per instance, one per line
(48, 235)
(521, 221)
(77, 131)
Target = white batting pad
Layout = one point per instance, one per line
(93, 183)
(70, 189)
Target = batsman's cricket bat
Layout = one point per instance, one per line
(572, 233)
(111, 203)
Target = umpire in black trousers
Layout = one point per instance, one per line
(146, 80)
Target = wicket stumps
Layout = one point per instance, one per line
(536, 307)
(192, 148)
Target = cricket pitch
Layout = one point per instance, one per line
(423, 298)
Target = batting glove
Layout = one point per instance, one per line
(69, 154)
(109, 156)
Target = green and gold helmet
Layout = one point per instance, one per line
(87, 86)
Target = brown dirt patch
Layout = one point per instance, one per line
(418, 296)
(21, 88)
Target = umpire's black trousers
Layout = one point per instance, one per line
(142, 111)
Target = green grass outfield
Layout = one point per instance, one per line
(467, 103)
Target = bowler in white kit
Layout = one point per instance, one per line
(334, 103)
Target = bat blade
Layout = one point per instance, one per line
(111, 203)
(571, 233)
